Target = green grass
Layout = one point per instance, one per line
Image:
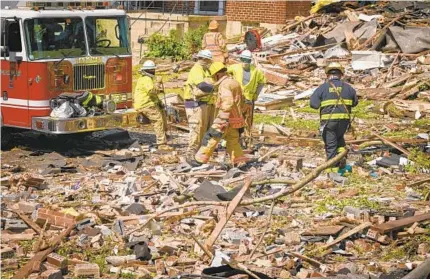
(422, 123)
(361, 111)
(296, 124)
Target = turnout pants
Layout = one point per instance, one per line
(158, 120)
(199, 121)
(247, 114)
(332, 135)
(211, 140)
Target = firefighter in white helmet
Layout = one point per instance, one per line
(199, 100)
(252, 81)
(146, 102)
(334, 99)
(214, 41)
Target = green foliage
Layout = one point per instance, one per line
(160, 45)
(422, 123)
(127, 275)
(302, 124)
(174, 46)
(339, 204)
(421, 161)
(193, 39)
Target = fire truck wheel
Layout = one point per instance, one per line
(6, 136)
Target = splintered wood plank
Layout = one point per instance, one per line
(324, 230)
(230, 210)
(347, 234)
(399, 224)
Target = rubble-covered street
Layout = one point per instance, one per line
(110, 205)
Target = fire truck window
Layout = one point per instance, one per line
(14, 40)
(55, 37)
(107, 36)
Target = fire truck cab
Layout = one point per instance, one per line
(46, 53)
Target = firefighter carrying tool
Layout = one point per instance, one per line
(146, 102)
(214, 42)
(335, 99)
(252, 81)
(228, 120)
(199, 100)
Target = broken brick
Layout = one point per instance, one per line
(52, 274)
(55, 218)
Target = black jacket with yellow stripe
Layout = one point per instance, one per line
(325, 99)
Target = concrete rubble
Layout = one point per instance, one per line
(111, 206)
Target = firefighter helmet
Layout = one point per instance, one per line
(216, 67)
(206, 54)
(246, 55)
(213, 25)
(148, 65)
(334, 66)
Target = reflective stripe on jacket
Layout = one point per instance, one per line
(257, 78)
(326, 99)
(214, 42)
(229, 103)
(196, 76)
(145, 93)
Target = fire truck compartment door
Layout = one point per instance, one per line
(14, 83)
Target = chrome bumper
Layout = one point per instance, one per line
(119, 119)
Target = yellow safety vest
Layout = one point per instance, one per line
(250, 89)
(196, 76)
(145, 93)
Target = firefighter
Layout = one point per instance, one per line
(146, 101)
(228, 120)
(199, 100)
(334, 99)
(214, 41)
(252, 81)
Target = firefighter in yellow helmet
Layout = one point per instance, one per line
(228, 120)
(146, 101)
(252, 81)
(334, 99)
(215, 42)
(199, 100)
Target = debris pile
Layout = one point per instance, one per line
(373, 42)
(278, 217)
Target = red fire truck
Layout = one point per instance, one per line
(48, 53)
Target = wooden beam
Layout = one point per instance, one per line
(421, 272)
(388, 142)
(230, 210)
(37, 259)
(399, 224)
(348, 234)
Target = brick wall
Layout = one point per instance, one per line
(182, 6)
(276, 12)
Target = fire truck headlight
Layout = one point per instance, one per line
(109, 106)
(66, 79)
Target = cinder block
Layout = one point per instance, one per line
(7, 252)
(15, 225)
(57, 261)
(88, 270)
